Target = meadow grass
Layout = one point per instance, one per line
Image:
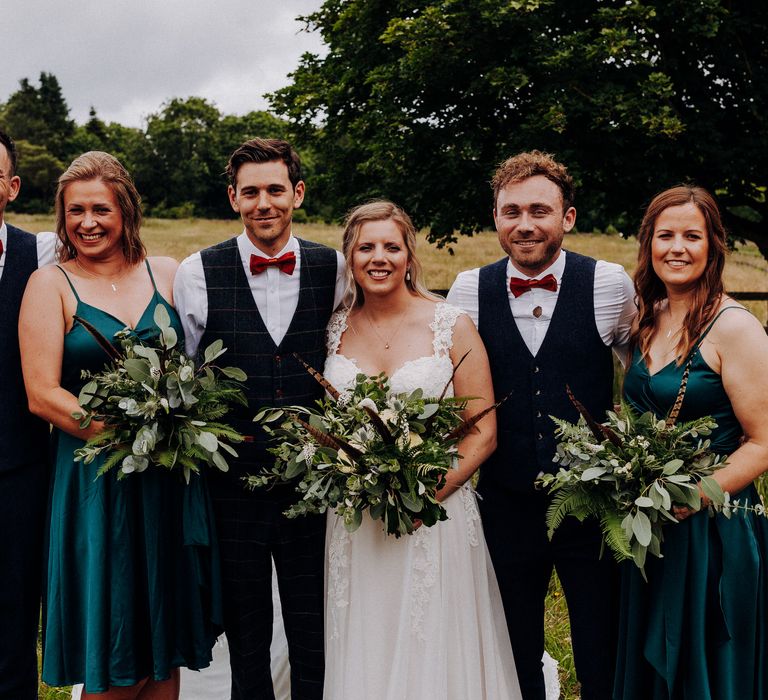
(746, 270)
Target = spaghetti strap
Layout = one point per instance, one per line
(698, 343)
(151, 276)
(712, 323)
(72, 286)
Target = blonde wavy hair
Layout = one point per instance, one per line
(97, 165)
(381, 210)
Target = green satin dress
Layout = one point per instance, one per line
(133, 585)
(699, 627)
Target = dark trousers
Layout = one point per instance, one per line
(252, 531)
(523, 559)
(22, 519)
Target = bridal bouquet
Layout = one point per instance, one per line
(367, 449)
(628, 472)
(158, 406)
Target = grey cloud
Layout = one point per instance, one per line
(126, 58)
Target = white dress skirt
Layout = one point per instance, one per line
(418, 616)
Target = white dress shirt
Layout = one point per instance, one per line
(47, 243)
(275, 293)
(614, 303)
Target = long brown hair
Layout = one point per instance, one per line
(381, 210)
(97, 165)
(651, 290)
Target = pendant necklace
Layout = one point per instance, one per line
(112, 284)
(381, 337)
(670, 331)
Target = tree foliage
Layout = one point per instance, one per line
(177, 160)
(418, 100)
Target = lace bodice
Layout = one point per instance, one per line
(430, 373)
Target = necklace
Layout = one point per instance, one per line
(672, 331)
(381, 337)
(112, 283)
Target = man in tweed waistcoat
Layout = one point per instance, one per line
(548, 317)
(267, 295)
(23, 457)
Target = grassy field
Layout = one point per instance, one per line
(746, 270)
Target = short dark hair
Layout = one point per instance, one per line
(10, 146)
(263, 151)
(531, 163)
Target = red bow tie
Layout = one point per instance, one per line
(1, 247)
(286, 263)
(518, 285)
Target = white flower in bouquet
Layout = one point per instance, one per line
(157, 407)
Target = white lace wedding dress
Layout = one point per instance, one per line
(420, 616)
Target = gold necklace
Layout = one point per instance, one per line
(112, 283)
(381, 337)
(676, 331)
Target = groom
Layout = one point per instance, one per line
(267, 295)
(548, 318)
(23, 457)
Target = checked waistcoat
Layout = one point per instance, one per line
(275, 377)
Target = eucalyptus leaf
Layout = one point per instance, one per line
(148, 354)
(712, 490)
(138, 369)
(207, 441)
(214, 350)
(234, 373)
(219, 461)
(672, 467)
(641, 528)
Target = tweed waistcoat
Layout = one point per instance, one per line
(23, 437)
(573, 353)
(275, 377)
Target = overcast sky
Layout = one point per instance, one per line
(126, 57)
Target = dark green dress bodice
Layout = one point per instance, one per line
(698, 627)
(133, 573)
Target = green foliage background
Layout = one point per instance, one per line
(418, 101)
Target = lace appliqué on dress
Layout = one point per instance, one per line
(424, 567)
(471, 512)
(338, 577)
(442, 327)
(335, 329)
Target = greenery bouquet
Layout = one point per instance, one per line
(158, 407)
(367, 449)
(628, 472)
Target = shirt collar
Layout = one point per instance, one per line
(3, 235)
(247, 247)
(556, 269)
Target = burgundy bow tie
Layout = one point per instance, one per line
(286, 263)
(518, 285)
(1, 247)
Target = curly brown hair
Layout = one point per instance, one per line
(531, 163)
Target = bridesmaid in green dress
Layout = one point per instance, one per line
(699, 627)
(133, 587)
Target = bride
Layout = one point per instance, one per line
(419, 616)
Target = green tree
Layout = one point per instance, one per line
(189, 143)
(40, 115)
(39, 170)
(418, 100)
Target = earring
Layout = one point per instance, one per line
(408, 274)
